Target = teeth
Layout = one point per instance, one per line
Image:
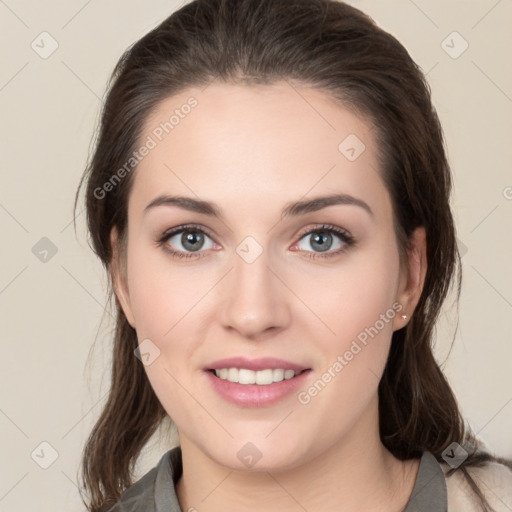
(262, 377)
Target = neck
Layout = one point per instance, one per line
(357, 473)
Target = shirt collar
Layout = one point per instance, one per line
(429, 492)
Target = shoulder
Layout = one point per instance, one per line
(142, 494)
(139, 496)
(493, 479)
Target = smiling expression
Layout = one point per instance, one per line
(267, 268)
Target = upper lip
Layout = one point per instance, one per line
(261, 363)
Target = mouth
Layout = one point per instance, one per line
(256, 389)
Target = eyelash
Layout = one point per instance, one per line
(345, 237)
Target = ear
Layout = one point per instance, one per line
(412, 277)
(119, 281)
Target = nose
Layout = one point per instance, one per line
(256, 300)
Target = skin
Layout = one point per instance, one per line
(244, 147)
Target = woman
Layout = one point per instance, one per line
(269, 194)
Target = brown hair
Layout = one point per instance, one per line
(334, 47)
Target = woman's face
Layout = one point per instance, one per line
(265, 278)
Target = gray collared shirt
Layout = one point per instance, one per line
(155, 491)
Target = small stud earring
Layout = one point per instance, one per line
(404, 317)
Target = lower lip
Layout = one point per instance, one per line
(256, 395)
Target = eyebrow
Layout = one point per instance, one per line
(290, 210)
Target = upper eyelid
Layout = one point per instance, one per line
(168, 233)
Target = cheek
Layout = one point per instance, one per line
(357, 306)
(163, 293)
(166, 300)
(169, 302)
(352, 297)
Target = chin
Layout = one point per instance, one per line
(255, 457)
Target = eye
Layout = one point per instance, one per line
(184, 239)
(189, 242)
(322, 239)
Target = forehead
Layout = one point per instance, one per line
(275, 141)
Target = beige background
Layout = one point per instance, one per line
(50, 311)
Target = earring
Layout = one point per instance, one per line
(404, 317)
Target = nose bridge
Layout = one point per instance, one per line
(254, 301)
